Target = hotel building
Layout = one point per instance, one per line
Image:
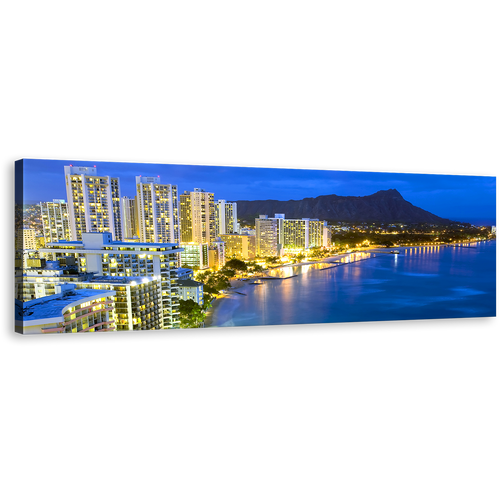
(197, 211)
(278, 235)
(302, 234)
(93, 202)
(240, 246)
(226, 217)
(157, 211)
(69, 311)
(137, 301)
(266, 236)
(98, 253)
(55, 220)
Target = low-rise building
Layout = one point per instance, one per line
(191, 290)
(70, 311)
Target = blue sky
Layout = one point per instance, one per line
(457, 197)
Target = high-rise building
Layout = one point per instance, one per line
(68, 311)
(99, 254)
(266, 236)
(302, 234)
(93, 202)
(197, 217)
(55, 220)
(129, 214)
(137, 302)
(278, 234)
(226, 217)
(157, 211)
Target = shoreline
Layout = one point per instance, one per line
(237, 284)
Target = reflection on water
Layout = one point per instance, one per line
(419, 283)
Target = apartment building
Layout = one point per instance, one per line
(55, 220)
(197, 210)
(157, 211)
(226, 217)
(98, 253)
(93, 202)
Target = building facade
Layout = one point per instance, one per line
(197, 217)
(129, 213)
(55, 221)
(93, 202)
(278, 235)
(238, 246)
(226, 217)
(191, 290)
(266, 236)
(137, 300)
(70, 311)
(41, 278)
(157, 211)
(195, 255)
(99, 254)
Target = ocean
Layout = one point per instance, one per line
(419, 283)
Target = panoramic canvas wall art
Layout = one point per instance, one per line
(107, 246)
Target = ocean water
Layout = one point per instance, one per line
(419, 283)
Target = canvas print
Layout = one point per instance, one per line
(107, 246)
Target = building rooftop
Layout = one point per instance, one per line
(120, 279)
(52, 305)
(190, 283)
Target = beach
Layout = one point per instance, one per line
(238, 286)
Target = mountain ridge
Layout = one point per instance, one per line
(383, 206)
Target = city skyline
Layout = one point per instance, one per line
(462, 198)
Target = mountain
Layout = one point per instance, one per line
(383, 206)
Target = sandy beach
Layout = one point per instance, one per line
(239, 286)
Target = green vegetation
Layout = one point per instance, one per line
(192, 315)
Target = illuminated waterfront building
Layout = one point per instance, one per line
(69, 311)
(266, 236)
(278, 235)
(157, 211)
(55, 220)
(197, 211)
(93, 202)
(137, 302)
(226, 217)
(99, 254)
(239, 246)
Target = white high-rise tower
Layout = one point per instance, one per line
(93, 202)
